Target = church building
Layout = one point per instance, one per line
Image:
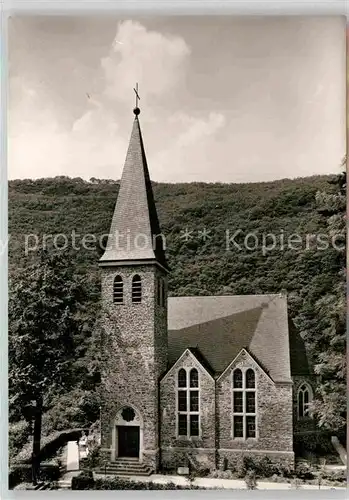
(189, 380)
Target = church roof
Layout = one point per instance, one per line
(300, 361)
(218, 327)
(135, 230)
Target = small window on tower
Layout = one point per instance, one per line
(163, 293)
(136, 289)
(118, 290)
(158, 290)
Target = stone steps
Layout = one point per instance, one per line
(125, 467)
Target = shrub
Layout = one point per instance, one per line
(125, 484)
(318, 443)
(18, 434)
(20, 473)
(49, 471)
(334, 475)
(296, 483)
(24, 455)
(222, 474)
(285, 471)
(262, 466)
(239, 467)
(304, 471)
(203, 472)
(250, 480)
(83, 481)
(275, 478)
(93, 459)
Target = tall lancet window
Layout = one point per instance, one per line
(305, 395)
(118, 290)
(244, 404)
(188, 406)
(136, 289)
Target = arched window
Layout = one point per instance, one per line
(118, 290)
(136, 288)
(237, 377)
(194, 378)
(182, 378)
(250, 379)
(305, 395)
(244, 404)
(188, 406)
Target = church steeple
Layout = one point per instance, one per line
(134, 316)
(135, 233)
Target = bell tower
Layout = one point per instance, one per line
(134, 315)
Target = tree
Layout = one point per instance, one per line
(328, 342)
(44, 305)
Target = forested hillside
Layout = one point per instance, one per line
(62, 206)
(205, 263)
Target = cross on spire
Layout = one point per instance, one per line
(136, 109)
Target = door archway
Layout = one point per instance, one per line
(127, 433)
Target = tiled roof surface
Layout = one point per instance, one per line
(300, 363)
(220, 326)
(135, 218)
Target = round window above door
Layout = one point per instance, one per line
(128, 414)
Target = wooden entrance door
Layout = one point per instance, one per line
(128, 439)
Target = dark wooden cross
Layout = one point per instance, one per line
(137, 96)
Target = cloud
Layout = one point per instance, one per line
(156, 61)
(209, 112)
(42, 142)
(193, 147)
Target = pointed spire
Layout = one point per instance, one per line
(135, 233)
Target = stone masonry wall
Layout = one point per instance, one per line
(176, 450)
(274, 436)
(134, 355)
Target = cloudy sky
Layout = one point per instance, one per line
(222, 99)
